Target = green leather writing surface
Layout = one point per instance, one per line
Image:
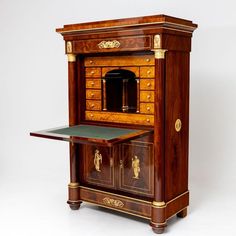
(92, 131)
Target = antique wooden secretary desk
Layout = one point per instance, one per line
(128, 115)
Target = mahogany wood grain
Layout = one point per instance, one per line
(177, 107)
(163, 97)
(117, 202)
(143, 185)
(140, 21)
(126, 43)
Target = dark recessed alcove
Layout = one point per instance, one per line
(121, 91)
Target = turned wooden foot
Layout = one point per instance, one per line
(182, 213)
(74, 205)
(158, 230)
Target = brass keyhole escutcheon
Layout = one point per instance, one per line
(178, 125)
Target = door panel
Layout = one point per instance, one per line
(98, 165)
(136, 168)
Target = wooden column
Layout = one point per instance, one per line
(158, 220)
(73, 187)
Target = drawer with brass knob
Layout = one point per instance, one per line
(141, 60)
(93, 83)
(116, 117)
(93, 105)
(146, 96)
(92, 72)
(147, 84)
(93, 94)
(147, 72)
(147, 108)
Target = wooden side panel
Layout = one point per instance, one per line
(177, 107)
(176, 42)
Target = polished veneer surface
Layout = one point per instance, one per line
(128, 127)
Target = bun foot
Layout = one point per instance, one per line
(158, 230)
(182, 213)
(74, 205)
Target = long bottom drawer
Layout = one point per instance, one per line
(124, 204)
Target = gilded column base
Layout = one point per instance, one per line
(158, 219)
(74, 199)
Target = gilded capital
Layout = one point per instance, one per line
(159, 53)
(71, 57)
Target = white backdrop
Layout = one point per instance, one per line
(34, 173)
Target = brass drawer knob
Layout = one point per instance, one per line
(148, 72)
(91, 115)
(92, 105)
(92, 72)
(148, 97)
(148, 120)
(91, 62)
(148, 108)
(148, 84)
(92, 95)
(92, 84)
(148, 60)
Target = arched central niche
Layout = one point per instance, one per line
(120, 91)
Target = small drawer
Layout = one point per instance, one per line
(92, 72)
(113, 61)
(147, 72)
(147, 96)
(93, 94)
(147, 84)
(93, 105)
(115, 117)
(147, 108)
(93, 83)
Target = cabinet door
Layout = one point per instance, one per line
(99, 166)
(136, 168)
